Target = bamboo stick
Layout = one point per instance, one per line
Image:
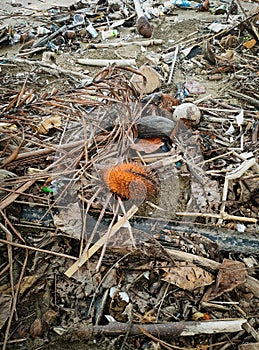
(101, 242)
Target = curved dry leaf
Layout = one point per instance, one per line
(250, 43)
(27, 283)
(68, 221)
(148, 145)
(151, 83)
(229, 41)
(231, 274)
(118, 305)
(188, 276)
(208, 53)
(52, 121)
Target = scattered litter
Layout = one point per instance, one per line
(129, 194)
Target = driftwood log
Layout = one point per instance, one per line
(161, 330)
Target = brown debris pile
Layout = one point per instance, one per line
(128, 206)
(140, 285)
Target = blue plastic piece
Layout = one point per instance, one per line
(181, 3)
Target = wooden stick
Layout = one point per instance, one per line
(222, 215)
(144, 43)
(244, 97)
(101, 242)
(12, 197)
(164, 330)
(43, 41)
(42, 64)
(45, 151)
(104, 63)
(250, 346)
(24, 246)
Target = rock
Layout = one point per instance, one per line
(144, 27)
(188, 111)
(155, 126)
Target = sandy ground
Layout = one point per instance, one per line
(34, 4)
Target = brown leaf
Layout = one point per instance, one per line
(231, 274)
(36, 329)
(50, 317)
(205, 6)
(117, 306)
(148, 145)
(49, 122)
(67, 221)
(188, 276)
(27, 282)
(229, 41)
(227, 57)
(208, 53)
(5, 307)
(250, 44)
(168, 102)
(151, 83)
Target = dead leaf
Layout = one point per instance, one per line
(69, 221)
(168, 102)
(148, 317)
(187, 276)
(250, 44)
(52, 121)
(231, 274)
(229, 41)
(150, 84)
(227, 57)
(27, 282)
(36, 329)
(5, 307)
(208, 53)
(205, 6)
(207, 195)
(148, 145)
(118, 304)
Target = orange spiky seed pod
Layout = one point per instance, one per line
(130, 181)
